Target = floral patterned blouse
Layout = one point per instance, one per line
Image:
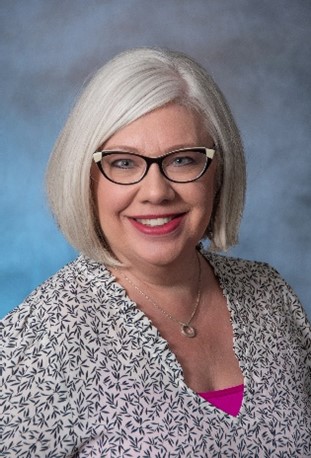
(86, 374)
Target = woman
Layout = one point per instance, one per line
(146, 345)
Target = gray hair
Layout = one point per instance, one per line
(132, 84)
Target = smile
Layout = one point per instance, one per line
(154, 225)
(153, 222)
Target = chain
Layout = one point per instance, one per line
(186, 329)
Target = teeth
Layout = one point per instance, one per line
(155, 221)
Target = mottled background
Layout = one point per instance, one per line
(258, 52)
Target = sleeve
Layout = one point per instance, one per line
(34, 391)
(293, 323)
(297, 317)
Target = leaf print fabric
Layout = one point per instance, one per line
(85, 373)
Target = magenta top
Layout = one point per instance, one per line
(229, 399)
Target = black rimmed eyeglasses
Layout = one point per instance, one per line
(180, 166)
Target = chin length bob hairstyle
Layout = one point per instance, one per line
(132, 84)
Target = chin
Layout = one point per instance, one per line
(165, 255)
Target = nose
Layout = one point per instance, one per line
(155, 188)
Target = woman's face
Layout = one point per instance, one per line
(156, 221)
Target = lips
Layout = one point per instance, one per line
(157, 224)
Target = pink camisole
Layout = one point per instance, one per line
(229, 399)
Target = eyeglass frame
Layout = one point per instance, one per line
(209, 153)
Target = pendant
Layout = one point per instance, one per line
(188, 331)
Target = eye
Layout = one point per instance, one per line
(181, 161)
(123, 163)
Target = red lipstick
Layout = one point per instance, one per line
(157, 224)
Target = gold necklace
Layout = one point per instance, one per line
(185, 328)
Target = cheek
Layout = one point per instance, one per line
(204, 199)
(111, 200)
(207, 190)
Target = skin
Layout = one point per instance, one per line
(154, 134)
(164, 263)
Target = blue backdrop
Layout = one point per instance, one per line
(258, 52)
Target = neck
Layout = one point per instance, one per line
(175, 289)
(179, 273)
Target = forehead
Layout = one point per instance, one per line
(169, 127)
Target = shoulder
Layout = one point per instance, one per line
(242, 270)
(256, 279)
(62, 300)
(262, 294)
(59, 324)
(254, 282)
(72, 280)
(44, 344)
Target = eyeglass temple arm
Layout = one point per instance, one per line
(210, 152)
(97, 156)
